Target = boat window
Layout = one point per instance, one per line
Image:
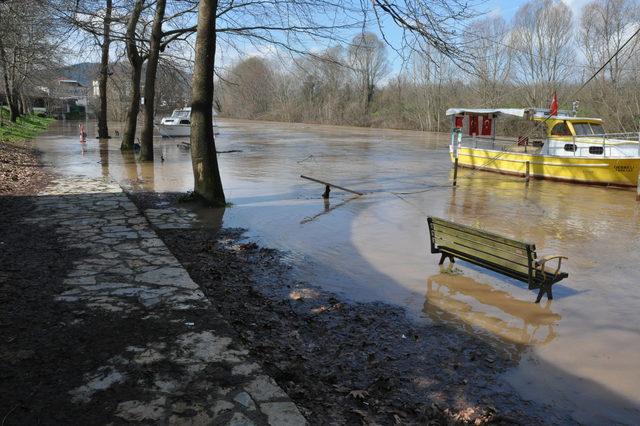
(597, 150)
(184, 122)
(571, 147)
(597, 129)
(561, 129)
(180, 114)
(582, 129)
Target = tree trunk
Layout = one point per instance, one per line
(24, 105)
(136, 62)
(8, 87)
(203, 149)
(103, 129)
(131, 121)
(14, 109)
(146, 140)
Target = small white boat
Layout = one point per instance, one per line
(179, 124)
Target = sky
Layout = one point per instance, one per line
(504, 8)
(507, 8)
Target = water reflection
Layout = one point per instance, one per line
(104, 156)
(328, 208)
(470, 304)
(131, 169)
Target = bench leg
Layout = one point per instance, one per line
(545, 289)
(444, 256)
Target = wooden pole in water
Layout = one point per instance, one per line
(455, 171)
(526, 173)
(328, 184)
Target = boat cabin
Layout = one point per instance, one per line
(178, 116)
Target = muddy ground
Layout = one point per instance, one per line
(344, 362)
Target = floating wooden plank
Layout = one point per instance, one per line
(331, 185)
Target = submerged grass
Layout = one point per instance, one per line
(27, 127)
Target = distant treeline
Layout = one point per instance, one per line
(545, 48)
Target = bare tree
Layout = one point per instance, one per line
(136, 60)
(95, 20)
(159, 39)
(488, 38)
(542, 47)
(103, 127)
(27, 48)
(428, 26)
(368, 59)
(604, 26)
(250, 88)
(203, 148)
(155, 40)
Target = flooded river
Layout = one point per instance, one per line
(579, 352)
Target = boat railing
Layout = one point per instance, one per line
(635, 136)
(497, 143)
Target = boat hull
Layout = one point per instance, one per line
(174, 130)
(595, 171)
(178, 130)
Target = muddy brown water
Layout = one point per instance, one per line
(579, 352)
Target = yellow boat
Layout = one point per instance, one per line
(560, 147)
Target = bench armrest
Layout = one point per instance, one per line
(542, 262)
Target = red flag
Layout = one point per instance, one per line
(554, 105)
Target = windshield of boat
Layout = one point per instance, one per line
(588, 129)
(180, 114)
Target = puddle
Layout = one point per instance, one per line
(583, 346)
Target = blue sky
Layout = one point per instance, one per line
(505, 8)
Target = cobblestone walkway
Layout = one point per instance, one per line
(126, 268)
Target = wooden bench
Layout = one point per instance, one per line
(515, 259)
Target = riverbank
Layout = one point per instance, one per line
(20, 168)
(343, 362)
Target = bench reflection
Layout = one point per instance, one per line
(467, 303)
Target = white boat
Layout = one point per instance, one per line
(179, 124)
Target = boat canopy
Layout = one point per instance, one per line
(514, 112)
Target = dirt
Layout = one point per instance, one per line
(20, 170)
(344, 362)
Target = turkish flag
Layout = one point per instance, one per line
(554, 105)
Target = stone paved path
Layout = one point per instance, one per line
(126, 268)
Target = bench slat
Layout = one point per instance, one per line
(497, 268)
(509, 251)
(480, 233)
(457, 248)
(442, 240)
